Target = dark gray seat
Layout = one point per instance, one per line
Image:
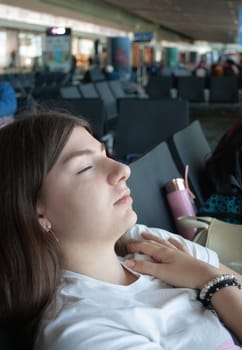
(148, 174)
(189, 146)
(117, 89)
(90, 108)
(144, 123)
(224, 89)
(71, 91)
(191, 88)
(88, 90)
(159, 86)
(96, 74)
(110, 102)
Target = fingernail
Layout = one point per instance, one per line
(129, 263)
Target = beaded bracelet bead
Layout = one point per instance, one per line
(211, 287)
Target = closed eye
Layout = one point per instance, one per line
(84, 169)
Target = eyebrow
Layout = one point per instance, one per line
(80, 153)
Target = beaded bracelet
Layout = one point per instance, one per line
(211, 287)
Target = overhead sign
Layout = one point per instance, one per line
(58, 49)
(143, 37)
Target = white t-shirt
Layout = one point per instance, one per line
(147, 315)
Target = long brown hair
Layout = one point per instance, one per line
(30, 261)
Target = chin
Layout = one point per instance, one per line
(132, 220)
(120, 245)
(127, 220)
(126, 224)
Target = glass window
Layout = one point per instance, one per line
(30, 47)
(3, 51)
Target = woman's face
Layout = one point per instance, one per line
(85, 197)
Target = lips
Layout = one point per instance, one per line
(124, 198)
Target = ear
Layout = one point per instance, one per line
(45, 223)
(42, 218)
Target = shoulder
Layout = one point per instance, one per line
(198, 251)
(136, 230)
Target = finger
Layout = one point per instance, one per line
(154, 250)
(149, 236)
(145, 267)
(134, 244)
(152, 238)
(171, 242)
(179, 245)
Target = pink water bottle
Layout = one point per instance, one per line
(180, 203)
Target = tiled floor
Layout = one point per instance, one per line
(216, 121)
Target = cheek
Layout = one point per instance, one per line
(76, 207)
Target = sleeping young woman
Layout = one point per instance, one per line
(63, 285)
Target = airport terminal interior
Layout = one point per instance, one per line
(135, 42)
(160, 82)
(112, 51)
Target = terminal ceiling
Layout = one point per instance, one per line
(206, 20)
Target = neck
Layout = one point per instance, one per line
(101, 264)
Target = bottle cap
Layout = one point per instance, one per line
(175, 185)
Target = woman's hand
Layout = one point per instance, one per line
(171, 262)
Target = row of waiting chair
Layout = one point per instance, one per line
(26, 81)
(195, 89)
(110, 92)
(162, 163)
(141, 123)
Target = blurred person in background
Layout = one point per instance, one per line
(8, 103)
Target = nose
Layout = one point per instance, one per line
(118, 172)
